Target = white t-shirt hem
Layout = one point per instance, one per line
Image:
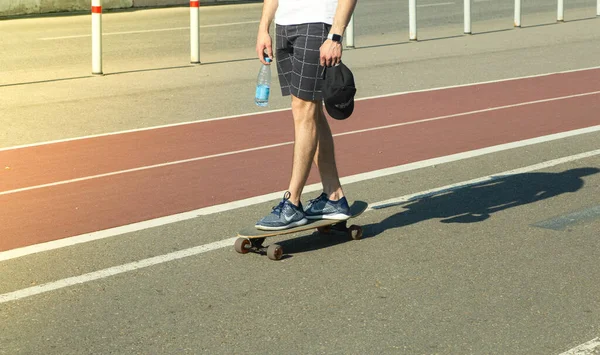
(296, 12)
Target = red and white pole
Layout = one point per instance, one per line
(96, 36)
(195, 31)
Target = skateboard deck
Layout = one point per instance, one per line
(251, 239)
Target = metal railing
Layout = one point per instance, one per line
(195, 27)
(412, 14)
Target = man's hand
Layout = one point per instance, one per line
(264, 45)
(331, 53)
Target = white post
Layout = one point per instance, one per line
(97, 37)
(412, 19)
(195, 31)
(350, 33)
(518, 13)
(560, 17)
(467, 17)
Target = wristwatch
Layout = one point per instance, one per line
(334, 37)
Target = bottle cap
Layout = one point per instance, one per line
(267, 59)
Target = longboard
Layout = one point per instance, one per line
(251, 239)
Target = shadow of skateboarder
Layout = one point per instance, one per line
(476, 203)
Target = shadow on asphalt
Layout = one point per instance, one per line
(47, 81)
(126, 72)
(465, 204)
(311, 242)
(191, 65)
(477, 202)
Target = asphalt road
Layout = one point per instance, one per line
(427, 281)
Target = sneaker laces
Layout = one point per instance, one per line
(321, 197)
(279, 208)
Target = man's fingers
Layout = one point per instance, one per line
(331, 54)
(260, 51)
(263, 52)
(261, 57)
(264, 47)
(270, 53)
(329, 61)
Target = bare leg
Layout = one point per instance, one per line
(306, 115)
(325, 159)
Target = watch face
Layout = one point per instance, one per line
(336, 38)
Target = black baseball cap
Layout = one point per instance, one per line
(338, 91)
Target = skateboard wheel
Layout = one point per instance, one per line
(324, 230)
(355, 232)
(242, 245)
(274, 252)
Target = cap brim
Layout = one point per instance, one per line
(338, 114)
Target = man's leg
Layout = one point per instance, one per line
(313, 142)
(331, 204)
(290, 213)
(306, 117)
(325, 159)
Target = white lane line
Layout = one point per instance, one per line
(120, 172)
(101, 274)
(589, 348)
(498, 108)
(147, 31)
(57, 141)
(63, 182)
(66, 242)
(448, 188)
(104, 273)
(438, 4)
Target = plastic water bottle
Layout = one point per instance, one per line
(263, 85)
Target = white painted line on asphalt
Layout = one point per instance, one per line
(147, 167)
(147, 31)
(438, 4)
(120, 172)
(448, 188)
(469, 113)
(101, 274)
(589, 348)
(66, 242)
(286, 109)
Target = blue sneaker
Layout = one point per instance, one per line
(323, 208)
(285, 215)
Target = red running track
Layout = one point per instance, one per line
(53, 191)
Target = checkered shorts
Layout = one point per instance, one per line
(298, 55)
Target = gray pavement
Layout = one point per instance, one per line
(423, 283)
